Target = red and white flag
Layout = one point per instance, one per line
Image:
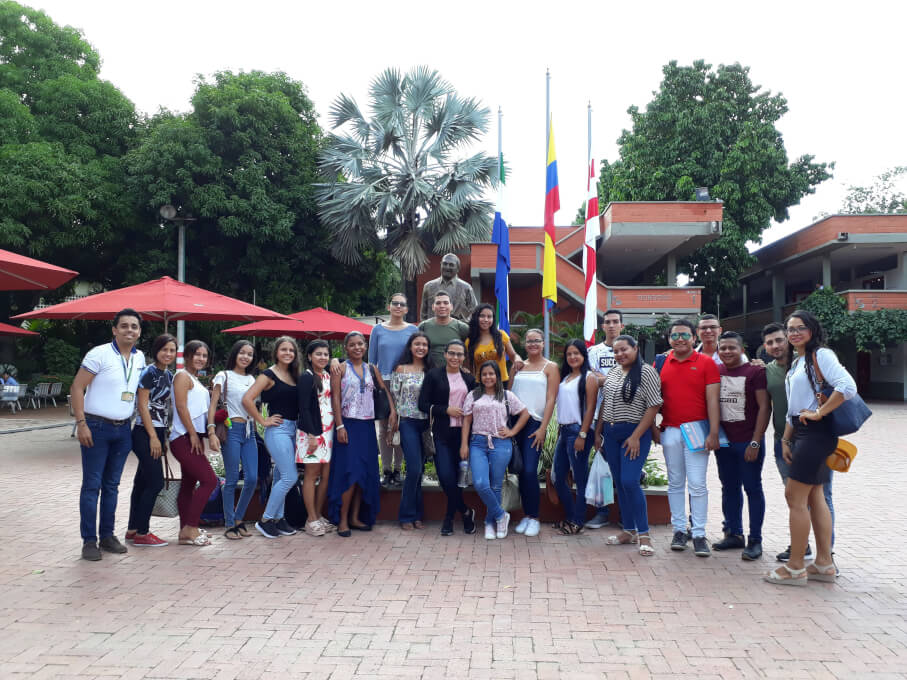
(590, 320)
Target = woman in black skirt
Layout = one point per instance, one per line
(807, 442)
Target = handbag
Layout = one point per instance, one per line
(850, 415)
(515, 466)
(842, 456)
(510, 492)
(428, 444)
(382, 399)
(165, 503)
(221, 416)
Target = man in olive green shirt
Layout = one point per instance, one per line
(442, 328)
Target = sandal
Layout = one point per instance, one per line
(407, 526)
(199, 541)
(827, 573)
(418, 524)
(646, 549)
(315, 528)
(624, 538)
(570, 529)
(328, 526)
(232, 533)
(243, 531)
(797, 577)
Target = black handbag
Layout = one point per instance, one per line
(382, 399)
(515, 466)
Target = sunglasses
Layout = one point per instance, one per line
(397, 303)
(681, 336)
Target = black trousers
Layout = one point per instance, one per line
(148, 481)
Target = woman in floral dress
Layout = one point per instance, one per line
(315, 435)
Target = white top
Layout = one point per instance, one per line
(801, 395)
(197, 401)
(601, 360)
(531, 388)
(114, 375)
(568, 402)
(237, 386)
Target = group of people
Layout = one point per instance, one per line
(444, 389)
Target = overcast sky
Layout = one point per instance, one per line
(839, 65)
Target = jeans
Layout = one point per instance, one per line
(447, 464)
(194, 469)
(567, 458)
(102, 467)
(281, 443)
(239, 448)
(634, 513)
(530, 494)
(686, 470)
(489, 465)
(411, 505)
(736, 473)
(784, 468)
(148, 481)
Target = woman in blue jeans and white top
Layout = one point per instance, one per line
(241, 446)
(575, 409)
(486, 442)
(631, 397)
(277, 388)
(535, 384)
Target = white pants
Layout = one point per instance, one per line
(686, 469)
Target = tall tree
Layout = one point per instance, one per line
(885, 195)
(713, 128)
(397, 180)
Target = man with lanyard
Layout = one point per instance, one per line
(103, 401)
(442, 328)
(774, 339)
(601, 360)
(709, 330)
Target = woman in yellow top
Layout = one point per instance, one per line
(486, 342)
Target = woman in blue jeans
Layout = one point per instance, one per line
(631, 396)
(406, 384)
(277, 387)
(575, 408)
(240, 447)
(486, 442)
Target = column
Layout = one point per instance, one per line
(826, 271)
(777, 296)
(672, 270)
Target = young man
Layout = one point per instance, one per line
(774, 339)
(601, 360)
(709, 330)
(442, 328)
(103, 401)
(744, 416)
(689, 386)
(7, 379)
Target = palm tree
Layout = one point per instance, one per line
(396, 183)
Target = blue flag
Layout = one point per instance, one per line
(500, 235)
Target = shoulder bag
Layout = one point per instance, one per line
(382, 399)
(221, 416)
(850, 415)
(165, 503)
(515, 466)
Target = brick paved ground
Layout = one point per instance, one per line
(393, 604)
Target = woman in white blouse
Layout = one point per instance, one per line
(807, 442)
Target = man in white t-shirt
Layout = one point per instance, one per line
(601, 360)
(103, 402)
(709, 330)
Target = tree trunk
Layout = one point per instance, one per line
(412, 298)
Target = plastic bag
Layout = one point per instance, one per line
(600, 486)
(510, 493)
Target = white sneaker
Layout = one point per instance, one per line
(521, 527)
(502, 525)
(490, 532)
(533, 527)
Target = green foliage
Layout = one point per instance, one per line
(60, 357)
(866, 330)
(882, 196)
(654, 333)
(712, 128)
(9, 369)
(655, 473)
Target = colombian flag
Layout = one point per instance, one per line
(552, 205)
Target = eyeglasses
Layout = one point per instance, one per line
(708, 328)
(456, 354)
(534, 342)
(797, 329)
(681, 336)
(397, 303)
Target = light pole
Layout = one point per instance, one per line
(168, 212)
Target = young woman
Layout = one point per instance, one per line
(277, 387)
(190, 403)
(535, 384)
(406, 384)
(149, 437)
(443, 393)
(486, 342)
(489, 448)
(575, 409)
(241, 446)
(807, 442)
(315, 436)
(354, 493)
(631, 398)
(385, 346)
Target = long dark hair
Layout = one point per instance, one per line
(816, 340)
(498, 385)
(294, 365)
(159, 343)
(406, 357)
(309, 351)
(475, 332)
(234, 352)
(634, 375)
(583, 369)
(192, 347)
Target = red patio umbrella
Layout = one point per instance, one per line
(312, 323)
(18, 272)
(6, 329)
(161, 299)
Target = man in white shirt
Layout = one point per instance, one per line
(103, 402)
(709, 330)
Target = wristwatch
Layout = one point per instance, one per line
(582, 435)
(754, 445)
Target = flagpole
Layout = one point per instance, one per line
(547, 327)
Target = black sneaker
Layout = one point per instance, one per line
(387, 479)
(784, 556)
(91, 552)
(701, 547)
(469, 521)
(283, 526)
(752, 551)
(680, 540)
(267, 528)
(730, 542)
(447, 527)
(112, 545)
(396, 480)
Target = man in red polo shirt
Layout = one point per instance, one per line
(690, 386)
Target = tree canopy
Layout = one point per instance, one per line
(713, 128)
(885, 195)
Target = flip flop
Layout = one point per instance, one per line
(407, 526)
(233, 534)
(418, 524)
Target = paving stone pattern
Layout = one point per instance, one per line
(418, 605)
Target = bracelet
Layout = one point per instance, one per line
(210, 425)
(79, 422)
(341, 426)
(786, 441)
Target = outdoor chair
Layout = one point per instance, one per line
(39, 394)
(10, 395)
(23, 395)
(55, 390)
